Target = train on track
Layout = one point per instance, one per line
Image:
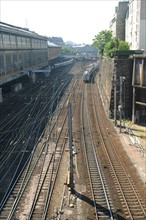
(64, 63)
(89, 72)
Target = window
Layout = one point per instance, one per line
(13, 41)
(6, 40)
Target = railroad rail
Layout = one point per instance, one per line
(41, 150)
(101, 200)
(41, 169)
(131, 201)
(19, 151)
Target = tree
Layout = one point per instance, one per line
(67, 49)
(101, 39)
(107, 44)
(111, 46)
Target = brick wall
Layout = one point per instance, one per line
(121, 67)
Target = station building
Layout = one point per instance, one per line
(21, 50)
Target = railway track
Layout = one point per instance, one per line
(131, 202)
(30, 131)
(12, 205)
(43, 165)
(100, 193)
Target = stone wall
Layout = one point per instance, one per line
(121, 67)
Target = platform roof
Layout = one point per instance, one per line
(8, 28)
(50, 44)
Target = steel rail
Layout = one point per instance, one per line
(16, 140)
(35, 120)
(91, 158)
(70, 97)
(40, 184)
(51, 183)
(48, 200)
(23, 113)
(13, 210)
(117, 173)
(83, 139)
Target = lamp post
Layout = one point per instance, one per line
(115, 98)
(120, 107)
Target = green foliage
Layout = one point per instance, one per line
(107, 44)
(101, 39)
(123, 45)
(111, 46)
(67, 49)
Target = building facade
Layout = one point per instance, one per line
(20, 50)
(53, 51)
(135, 27)
(139, 89)
(117, 24)
(86, 51)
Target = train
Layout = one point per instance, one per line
(88, 73)
(63, 63)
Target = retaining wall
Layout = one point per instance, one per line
(120, 67)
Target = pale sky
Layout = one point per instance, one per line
(78, 21)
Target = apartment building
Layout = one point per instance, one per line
(135, 25)
(117, 24)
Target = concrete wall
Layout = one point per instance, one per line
(121, 67)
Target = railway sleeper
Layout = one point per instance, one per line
(100, 196)
(95, 175)
(98, 190)
(101, 201)
(137, 211)
(103, 206)
(129, 193)
(134, 216)
(134, 207)
(103, 214)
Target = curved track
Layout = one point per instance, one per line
(101, 199)
(108, 171)
(131, 201)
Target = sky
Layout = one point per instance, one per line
(76, 21)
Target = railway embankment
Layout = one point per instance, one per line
(133, 136)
